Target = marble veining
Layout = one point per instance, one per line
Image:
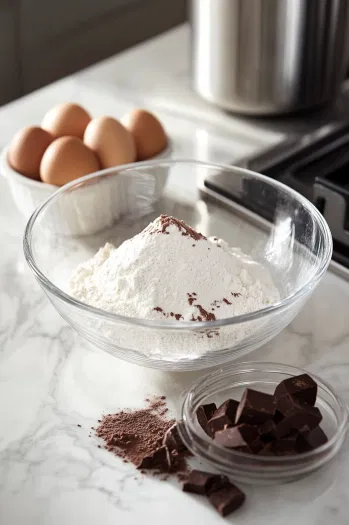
(51, 381)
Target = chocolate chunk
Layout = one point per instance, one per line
(227, 500)
(244, 438)
(275, 448)
(285, 404)
(204, 414)
(255, 408)
(277, 417)
(224, 416)
(310, 440)
(173, 441)
(296, 416)
(159, 459)
(267, 429)
(302, 387)
(288, 443)
(209, 409)
(218, 483)
(281, 447)
(268, 450)
(203, 483)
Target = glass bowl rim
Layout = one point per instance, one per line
(180, 325)
(261, 366)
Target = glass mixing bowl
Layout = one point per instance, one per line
(113, 205)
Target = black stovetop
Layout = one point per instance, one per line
(317, 166)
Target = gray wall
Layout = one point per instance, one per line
(48, 39)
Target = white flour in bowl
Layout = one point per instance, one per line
(171, 272)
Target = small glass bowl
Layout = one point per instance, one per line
(248, 468)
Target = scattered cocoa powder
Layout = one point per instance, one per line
(135, 434)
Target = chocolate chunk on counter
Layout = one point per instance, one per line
(204, 483)
(159, 459)
(173, 441)
(310, 440)
(244, 438)
(218, 483)
(204, 414)
(227, 499)
(302, 387)
(296, 416)
(255, 408)
(224, 416)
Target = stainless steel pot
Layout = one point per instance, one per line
(269, 56)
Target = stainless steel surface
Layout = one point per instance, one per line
(269, 56)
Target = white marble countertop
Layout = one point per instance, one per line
(51, 472)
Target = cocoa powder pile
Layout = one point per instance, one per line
(135, 435)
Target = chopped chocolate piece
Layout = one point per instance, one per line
(302, 387)
(209, 409)
(204, 414)
(203, 483)
(224, 415)
(218, 483)
(312, 439)
(297, 416)
(227, 499)
(159, 459)
(269, 450)
(277, 417)
(267, 429)
(173, 441)
(244, 438)
(288, 443)
(286, 403)
(255, 408)
(281, 447)
(275, 449)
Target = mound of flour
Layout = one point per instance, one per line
(169, 271)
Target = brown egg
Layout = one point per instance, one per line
(111, 142)
(66, 120)
(148, 132)
(26, 150)
(66, 159)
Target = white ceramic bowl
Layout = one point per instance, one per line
(28, 194)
